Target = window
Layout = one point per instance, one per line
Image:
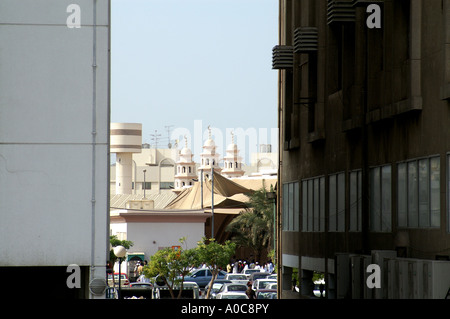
(355, 201)
(380, 199)
(166, 185)
(313, 205)
(290, 206)
(147, 185)
(418, 189)
(336, 202)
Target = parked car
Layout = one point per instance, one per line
(190, 291)
(262, 283)
(143, 285)
(124, 282)
(272, 276)
(258, 275)
(233, 295)
(266, 294)
(237, 278)
(203, 276)
(231, 287)
(272, 286)
(248, 272)
(217, 284)
(318, 285)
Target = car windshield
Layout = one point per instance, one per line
(216, 287)
(236, 288)
(267, 295)
(249, 271)
(263, 283)
(237, 277)
(234, 297)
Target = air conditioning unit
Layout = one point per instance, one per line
(436, 279)
(342, 271)
(306, 40)
(379, 257)
(341, 11)
(282, 57)
(359, 265)
(392, 279)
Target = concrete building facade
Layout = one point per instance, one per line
(364, 119)
(54, 106)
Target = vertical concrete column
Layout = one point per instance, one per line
(306, 283)
(416, 54)
(445, 89)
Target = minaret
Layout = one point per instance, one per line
(185, 171)
(232, 162)
(209, 158)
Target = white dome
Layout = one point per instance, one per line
(209, 142)
(186, 151)
(232, 147)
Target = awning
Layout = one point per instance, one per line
(227, 195)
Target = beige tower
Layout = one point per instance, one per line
(126, 139)
(185, 171)
(232, 162)
(209, 158)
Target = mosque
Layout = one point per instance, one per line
(186, 173)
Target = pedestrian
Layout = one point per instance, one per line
(140, 268)
(229, 268)
(250, 292)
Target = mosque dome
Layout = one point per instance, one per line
(185, 151)
(210, 143)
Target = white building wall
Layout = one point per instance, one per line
(149, 237)
(54, 93)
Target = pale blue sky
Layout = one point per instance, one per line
(177, 61)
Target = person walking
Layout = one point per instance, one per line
(250, 292)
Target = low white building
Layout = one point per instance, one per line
(152, 230)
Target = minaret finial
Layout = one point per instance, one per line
(209, 129)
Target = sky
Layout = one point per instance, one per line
(179, 66)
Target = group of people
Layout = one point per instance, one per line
(240, 266)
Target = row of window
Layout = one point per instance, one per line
(417, 199)
(148, 185)
(182, 169)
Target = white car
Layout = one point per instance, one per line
(262, 283)
(232, 295)
(248, 272)
(271, 286)
(237, 278)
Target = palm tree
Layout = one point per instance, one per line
(253, 227)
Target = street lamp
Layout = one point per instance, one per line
(120, 252)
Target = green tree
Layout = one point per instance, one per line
(216, 256)
(171, 266)
(114, 241)
(253, 227)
